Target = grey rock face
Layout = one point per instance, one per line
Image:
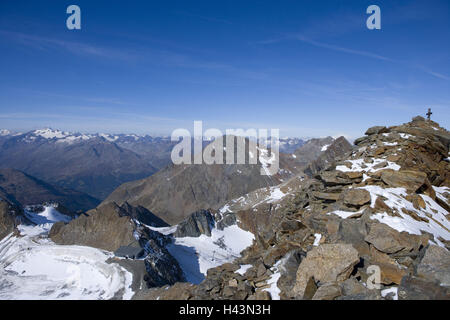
(412, 288)
(198, 223)
(130, 252)
(9, 218)
(337, 149)
(435, 265)
(144, 216)
(376, 130)
(226, 221)
(161, 267)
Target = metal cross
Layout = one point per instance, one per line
(429, 113)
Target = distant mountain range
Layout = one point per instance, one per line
(94, 164)
(21, 189)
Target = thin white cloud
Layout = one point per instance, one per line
(362, 53)
(342, 49)
(78, 48)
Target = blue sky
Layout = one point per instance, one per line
(309, 68)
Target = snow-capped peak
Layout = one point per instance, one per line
(109, 137)
(4, 132)
(50, 133)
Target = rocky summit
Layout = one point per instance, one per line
(364, 222)
(373, 224)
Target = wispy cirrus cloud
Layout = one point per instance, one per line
(73, 47)
(149, 56)
(367, 54)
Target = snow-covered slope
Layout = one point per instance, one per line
(33, 267)
(196, 255)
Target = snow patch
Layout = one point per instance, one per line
(272, 282)
(324, 148)
(243, 269)
(357, 166)
(198, 254)
(387, 291)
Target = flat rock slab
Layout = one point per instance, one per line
(408, 179)
(435, 265)
(326, 263)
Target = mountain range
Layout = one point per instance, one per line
(315, 230)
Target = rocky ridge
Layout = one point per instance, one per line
(383, 208)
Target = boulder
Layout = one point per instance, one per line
(353, 232)
(413, 288)
(390, 241)
(435, 265)
(391, 272)
(328, 291)
(327, 197)
(334, 178)
(198, 223)
(376, 130)
(408, 179)
(326, 263)
(356, 197)
(288, 270)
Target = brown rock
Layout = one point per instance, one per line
(233, 283)
(326, 263)
(326, 196)
(260, 295)
(390, 271)
(329, 291)
(335, 178)
(354, 175)
(376, 130)
(408, 179)
(106, 227)
(310, 289)
(356, 197)
(390, 241)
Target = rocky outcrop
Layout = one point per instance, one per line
(107, 227)
(198, 223)
(9, 218)
(121, 230)
(332, 153)
(380, 213)
(144, 216)
(161, 267)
